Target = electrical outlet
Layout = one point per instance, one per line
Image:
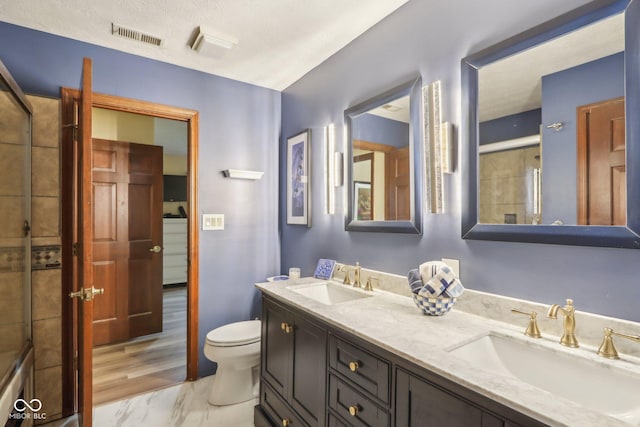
(212, 222)
(454, 264)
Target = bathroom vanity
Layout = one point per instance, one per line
(375, 360)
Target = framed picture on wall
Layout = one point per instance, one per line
(298, 186)
(364, 201)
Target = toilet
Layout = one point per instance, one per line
(236, 349)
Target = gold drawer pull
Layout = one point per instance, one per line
(353, 410)
(287, 328)
(353, 366)
(286, 422)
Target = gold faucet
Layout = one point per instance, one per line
(356, 279)
(568, 337)
(532, 328)
(607, 349)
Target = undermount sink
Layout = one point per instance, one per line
(599, 386)
(328, 293)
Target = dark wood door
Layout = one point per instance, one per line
(419, 404)
(127, 241)
(294, 362)
(602, 189)
(84, 232)
(276, 348)
(398, 187)
(309, 372)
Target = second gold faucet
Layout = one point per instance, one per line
(568, 337)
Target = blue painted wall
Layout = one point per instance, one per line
(430, 39)
(239, 128)
(562, 93)
(370, 128)
(509, 127)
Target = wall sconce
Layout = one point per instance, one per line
(436, 148)
(242, 174)
(330, 168)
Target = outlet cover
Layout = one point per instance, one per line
(212, 222)
(454, 264)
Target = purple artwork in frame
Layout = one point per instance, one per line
(298, 188)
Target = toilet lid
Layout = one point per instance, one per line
(233, 334)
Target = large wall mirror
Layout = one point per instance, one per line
(384, 137)
(552, 122)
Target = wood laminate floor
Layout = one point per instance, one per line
(145, 363)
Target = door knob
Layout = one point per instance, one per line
(156, 249)
(86, 294)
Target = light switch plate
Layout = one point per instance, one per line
(454, 264)
(212, 222)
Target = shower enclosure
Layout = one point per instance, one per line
(16, 355)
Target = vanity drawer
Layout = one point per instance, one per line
(343, 399)
(277, 410)
(335, 421)
(364, 369)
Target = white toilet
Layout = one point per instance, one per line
(236, 349)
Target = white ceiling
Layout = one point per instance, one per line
(279, 41)
(513, 85)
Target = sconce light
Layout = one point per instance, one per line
(330, 166)
(433, 147)
(242, 174)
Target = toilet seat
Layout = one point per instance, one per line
(235, 334)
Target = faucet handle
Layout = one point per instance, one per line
(532, 328)
(347, 279)
(607, 349)
(368, 286)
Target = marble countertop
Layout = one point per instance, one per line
(394, 323)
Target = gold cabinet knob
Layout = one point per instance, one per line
(286, 422)
(287, 328)
(354, 409)
(353, 366)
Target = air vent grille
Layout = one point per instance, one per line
(128, 33)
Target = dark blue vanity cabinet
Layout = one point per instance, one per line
(293, 367)
(314, 374)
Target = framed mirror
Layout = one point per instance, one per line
(384, 164)
(551, 120)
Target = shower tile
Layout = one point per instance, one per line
(46, 294)
(48, 389)
(12, 218)
(46, 121)
(45, 216)
(47, 342)
(45, 172)
(12, 158)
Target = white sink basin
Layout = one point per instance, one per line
(328, 293)
(599, 386)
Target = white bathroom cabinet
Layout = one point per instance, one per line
(174, 254)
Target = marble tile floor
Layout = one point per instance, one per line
(183, 405)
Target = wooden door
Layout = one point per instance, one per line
(602, 186)
(85, 252)
(398, 188)
(127, 226)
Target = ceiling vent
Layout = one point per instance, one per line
(128, 33)
(212, 44)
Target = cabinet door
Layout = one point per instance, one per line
(309, 372)
(276, 347)
(420, 404)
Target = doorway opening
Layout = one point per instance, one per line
(179, 304)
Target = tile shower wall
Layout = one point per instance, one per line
(506, 186)
(46, 280)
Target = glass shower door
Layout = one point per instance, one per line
(15, 241)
